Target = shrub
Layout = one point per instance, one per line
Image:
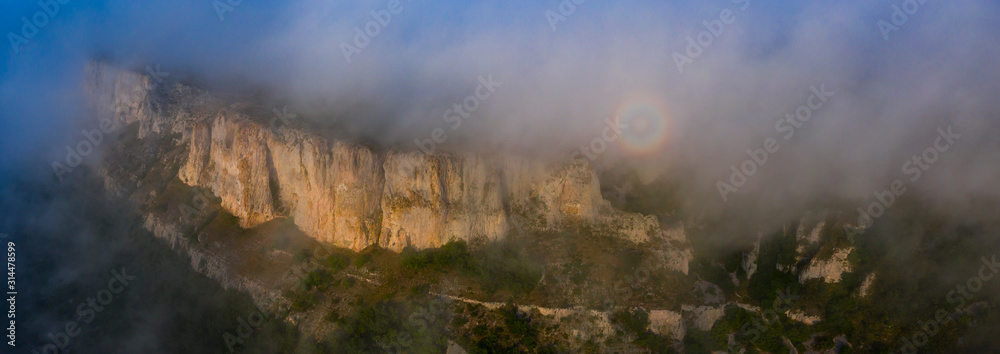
(500, 266)
(319, 278)
(636, 322)
(633, 321)
(338, 262)
(302, 255)
(453, 254)
(303, 300)
(362, 260)
(518, 334)
(735, 320)
(388, 324)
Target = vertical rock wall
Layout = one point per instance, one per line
(348, 195)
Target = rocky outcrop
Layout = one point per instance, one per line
(799, 316)
(703, 317)
(428, 200)
(237, 170)
(329, 190)
(348, 195)
(667, 323)
(749, 260)
(809, 233)
(677, 255)
(820, 252)
(197, 161)
(866, 285)
(127, 97)
(830, 270)
(358, 187)
(213, 265)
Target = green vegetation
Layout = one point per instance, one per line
(338, 262)
(736, 320)
(502, 267)
(767, 281)
(585, 258)
(452, 254)
(396, 327)
(578, 271)
(362, 260)
(302, 255)
(318, 279)
(520, 327)
(635, 322)
(755, 333)
(302, 300)
(698, 341)
(513, 333)
(496, 266)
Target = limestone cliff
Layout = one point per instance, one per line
(127, 97)
(428, 200)
(348, 195)
(830, 270)
(237, 169)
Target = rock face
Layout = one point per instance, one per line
(830, 270)
(237, 170)
(428, 200)
(799, 316)
(866, 285)
(667, 323)
(806, 236)
(703, 317)
(749, 260)
(677, 253)
(819, 254)
(126, 96)
(348, 195)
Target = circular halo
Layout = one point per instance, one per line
(645, 127)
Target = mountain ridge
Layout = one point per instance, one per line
(348, 195)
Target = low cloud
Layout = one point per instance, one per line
(756, 64)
